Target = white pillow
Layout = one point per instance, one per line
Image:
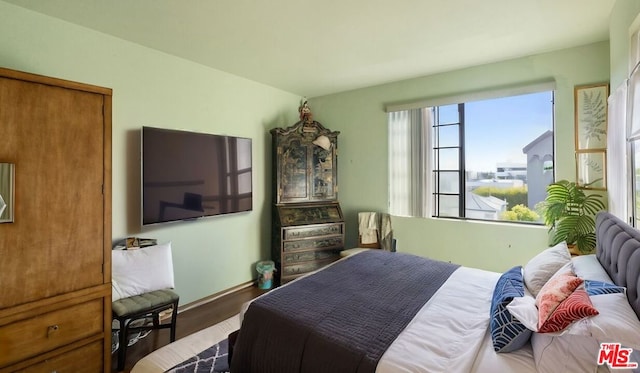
(544, 265)
(589, 268)
(566, 269)
(567, 353)
(524, 309)
(139, 271)
(616, 323)
(576, 348)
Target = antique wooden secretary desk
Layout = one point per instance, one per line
(308, 225)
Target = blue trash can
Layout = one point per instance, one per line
(265, 274)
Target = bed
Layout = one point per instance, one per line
(382, 312)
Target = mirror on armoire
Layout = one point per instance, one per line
(6, 192)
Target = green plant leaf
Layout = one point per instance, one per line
(587, 243)
(570, 214)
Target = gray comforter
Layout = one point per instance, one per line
(341, 319)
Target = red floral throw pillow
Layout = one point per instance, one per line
(556, 290)
(577, 306)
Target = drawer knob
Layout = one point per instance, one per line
(52, 329)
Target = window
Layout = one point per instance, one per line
(630, 131)
(490, 159)
(635, 145)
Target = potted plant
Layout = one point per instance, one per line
(570, 215)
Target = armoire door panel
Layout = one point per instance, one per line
(294, 175)
(57, 140)
(55, 257)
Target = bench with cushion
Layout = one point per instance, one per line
(143, 306)
(142, 283)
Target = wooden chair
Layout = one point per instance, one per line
(365, 246)
(375, 245)
(143, 307)
(367, 223)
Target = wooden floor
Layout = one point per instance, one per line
(189, 322)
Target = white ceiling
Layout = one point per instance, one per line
(317, 47)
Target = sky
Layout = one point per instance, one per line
(503, 125)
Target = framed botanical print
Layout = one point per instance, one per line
(591, 172)
(590, 103)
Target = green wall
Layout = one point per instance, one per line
(155, 89)
(360, 117)
(622, 16)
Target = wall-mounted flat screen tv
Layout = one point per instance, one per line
(188, 175)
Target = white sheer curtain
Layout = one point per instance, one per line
(633, 103)
(410, 162)
(617, 182)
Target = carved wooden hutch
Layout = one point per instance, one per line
(308, 225)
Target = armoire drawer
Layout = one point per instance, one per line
(312, 231)
(86, 359)
(46, 332)
(311, 244)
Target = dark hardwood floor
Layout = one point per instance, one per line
(189, 322)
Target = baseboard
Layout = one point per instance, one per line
(215, 296)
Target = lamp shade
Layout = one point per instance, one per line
(323, 142)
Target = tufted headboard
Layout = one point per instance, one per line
(618, 250)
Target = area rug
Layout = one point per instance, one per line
(214, 359)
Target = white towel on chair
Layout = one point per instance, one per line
(368, 227)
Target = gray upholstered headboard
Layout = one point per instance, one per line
(618, 250)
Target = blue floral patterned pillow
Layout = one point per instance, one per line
(507, 333)
(599, 288)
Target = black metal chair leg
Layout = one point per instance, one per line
(139, 310)
(124, 342)
(174, 319)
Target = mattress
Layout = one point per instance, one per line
(449, 333)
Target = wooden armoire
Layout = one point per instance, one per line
(308, 225)
(55, 258)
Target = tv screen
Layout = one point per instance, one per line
(189, 175)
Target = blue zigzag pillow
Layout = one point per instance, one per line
(599, 288)
(507, 333)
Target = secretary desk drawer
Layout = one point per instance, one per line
(46, 332)
(312, 231)
(297, 269)
(312, 244)
(304, 256)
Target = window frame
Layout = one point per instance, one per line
(461, 99)
(462, 171)
(438, 171)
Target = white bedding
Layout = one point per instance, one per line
(450, 333)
